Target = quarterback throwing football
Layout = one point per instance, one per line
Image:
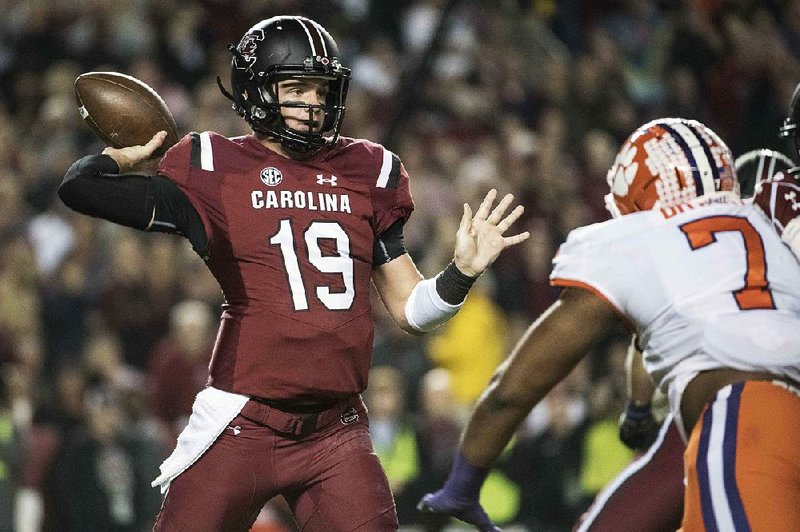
(295, 222)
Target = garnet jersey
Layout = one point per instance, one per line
(706, 284)
(290, 243)
(779, 198)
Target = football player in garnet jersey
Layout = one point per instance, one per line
(779, 196)
(711, 292)
(295, 222)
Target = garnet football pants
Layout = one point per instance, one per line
(647, 496)
(743, 461)
(331, 479)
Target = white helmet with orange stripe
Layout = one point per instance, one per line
(668, 162)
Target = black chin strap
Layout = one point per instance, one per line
(239, 57)
(225, 92)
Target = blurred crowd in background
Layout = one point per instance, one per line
(105, 333)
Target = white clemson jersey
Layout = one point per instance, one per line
(705, 285)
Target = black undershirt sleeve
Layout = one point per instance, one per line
(94, 187)
(389, 245)
(175, 214)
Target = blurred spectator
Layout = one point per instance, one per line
(604, 455)
(377, 70)
(186, 352)
(539, 251)
(52, 237)
(641, 32)
(126, 303)
(65, 313)
(546, 461)
(393, 436)
(57, 416)
(393, 348)
(100, 480)
(438, 431)
(10, 453)
(472, 344)
(184, 45)
(62, 405)
(104, 365)
(13, 209)
(19, 300)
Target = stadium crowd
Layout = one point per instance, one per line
(105, 335)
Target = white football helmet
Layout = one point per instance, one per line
(668, 162)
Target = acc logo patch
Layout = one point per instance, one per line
(271, 176)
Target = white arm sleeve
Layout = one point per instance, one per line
(425, 309)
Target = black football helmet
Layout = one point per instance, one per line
(789, 129)
(757, 166)
(280, 48)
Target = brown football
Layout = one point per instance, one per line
(123, 111)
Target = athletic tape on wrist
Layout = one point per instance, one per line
(452, 285)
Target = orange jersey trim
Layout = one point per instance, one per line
(572, 283)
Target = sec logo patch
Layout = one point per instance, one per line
(271, 176)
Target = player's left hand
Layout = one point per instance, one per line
(638, 429)
(469, 511)
(480, 239)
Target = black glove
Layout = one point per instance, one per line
(638, 428)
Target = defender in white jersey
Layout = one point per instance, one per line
(712, 294)
(648, 493)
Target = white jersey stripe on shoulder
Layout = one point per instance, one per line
(308, 33)
(206, 153)
(695, 144)
(321, 38)
(386, 169)
(716, 462)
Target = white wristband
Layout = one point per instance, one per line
(791, 236)
(425, 309)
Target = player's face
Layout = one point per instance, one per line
(303, 91)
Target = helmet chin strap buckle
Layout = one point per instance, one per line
(258, 112)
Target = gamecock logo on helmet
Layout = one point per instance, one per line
(248, 46)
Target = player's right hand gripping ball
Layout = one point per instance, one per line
(123, 111)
